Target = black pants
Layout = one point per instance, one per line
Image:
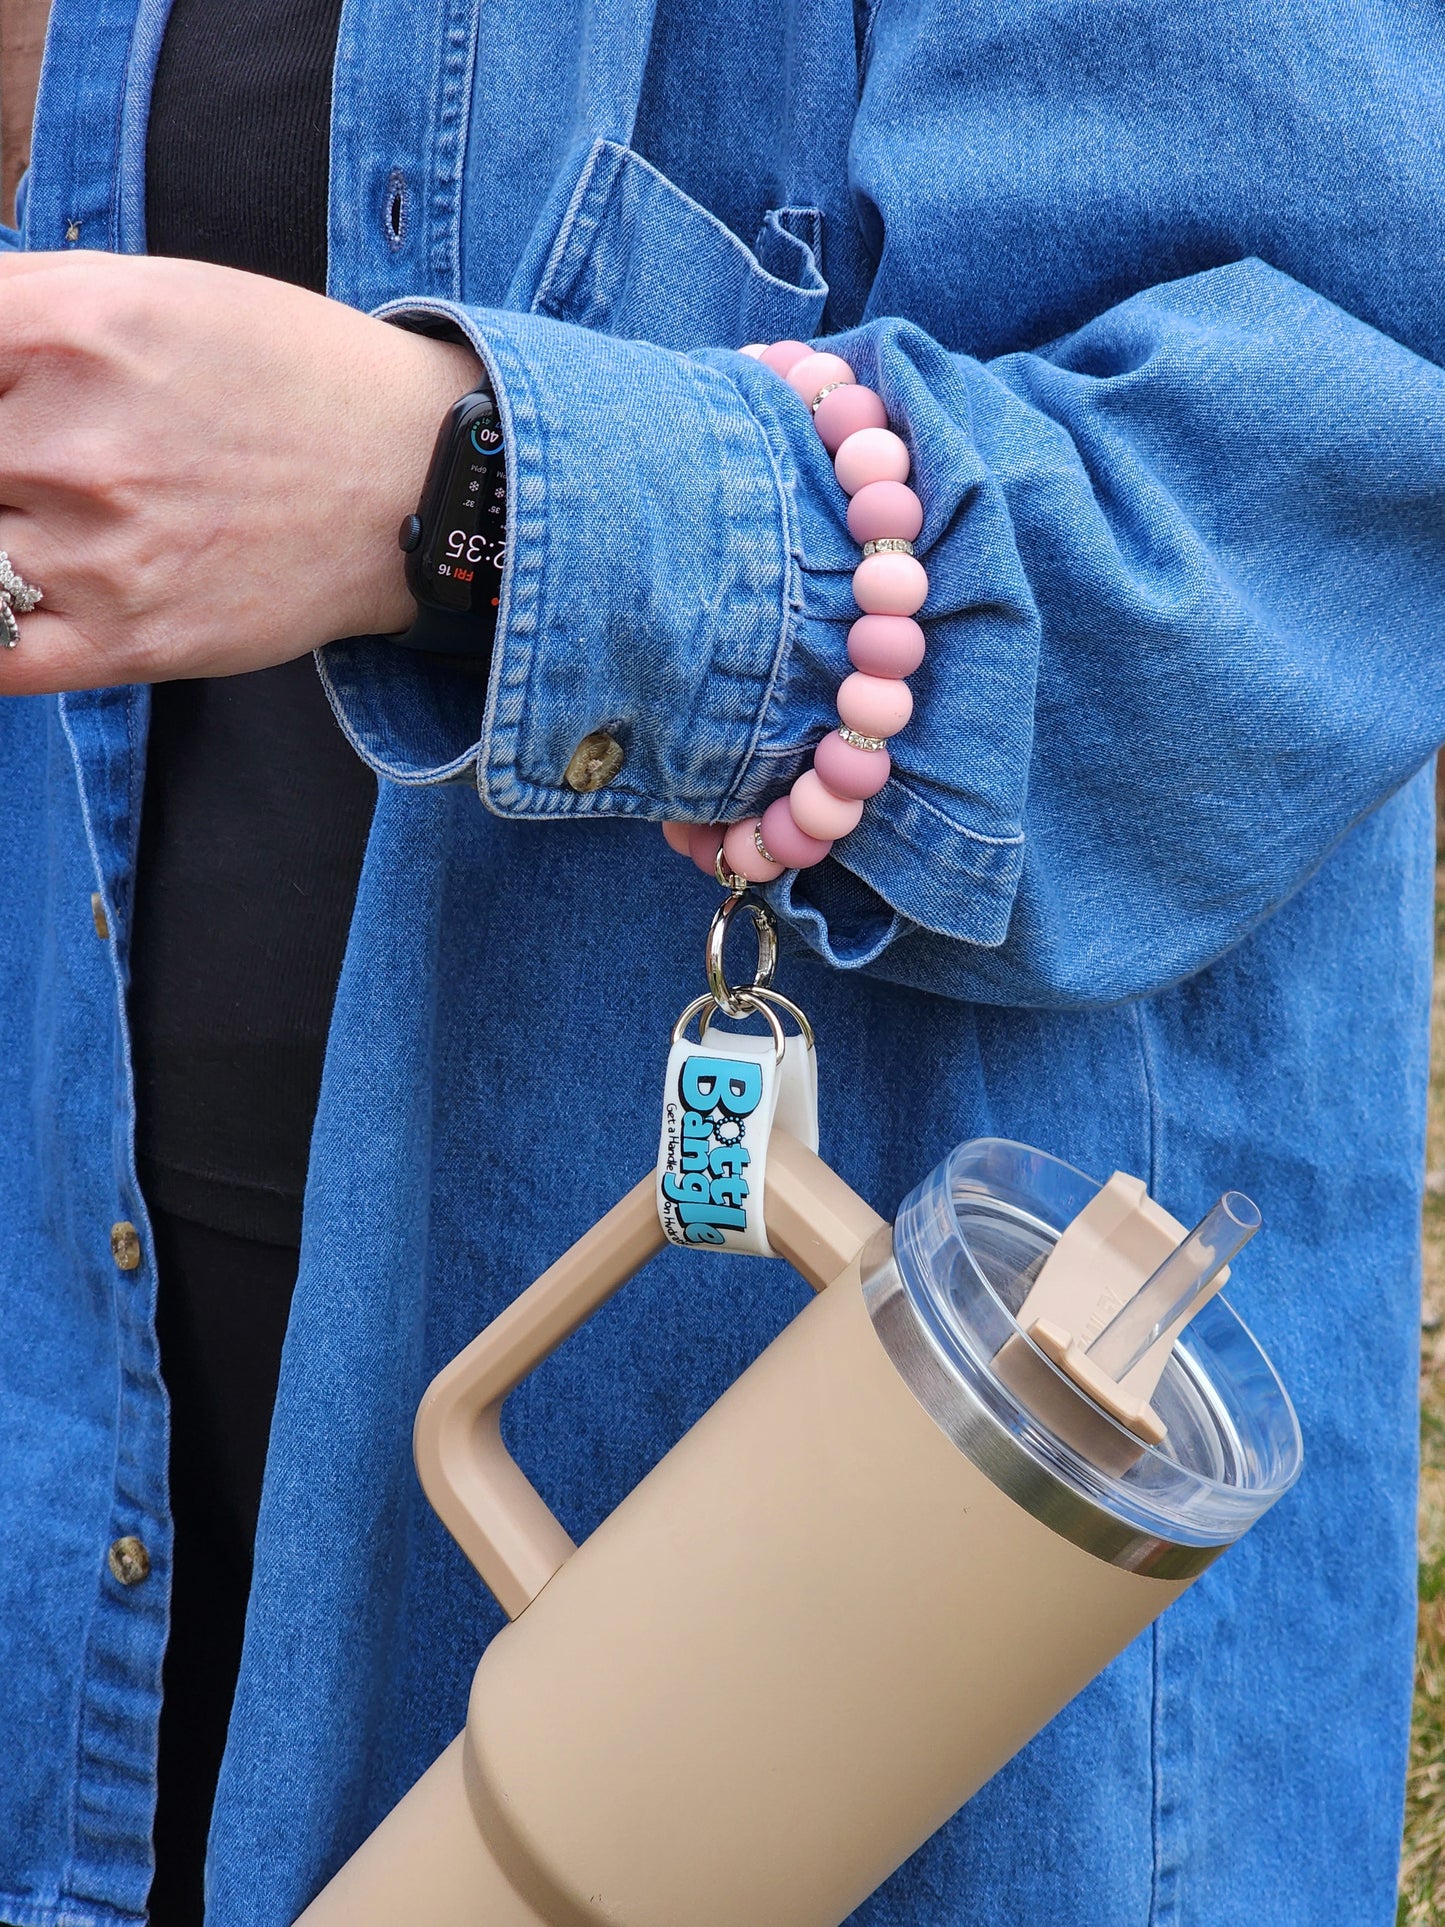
(223, 1303)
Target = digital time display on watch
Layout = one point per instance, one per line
(466, 545)
(456, 543)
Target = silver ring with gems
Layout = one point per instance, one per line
(16, 590)
(17, 598)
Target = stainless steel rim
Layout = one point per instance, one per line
(996, 1453)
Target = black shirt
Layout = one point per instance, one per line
(256, 808)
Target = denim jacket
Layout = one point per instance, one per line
(1153, 293)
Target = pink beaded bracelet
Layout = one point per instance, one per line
(885, 644)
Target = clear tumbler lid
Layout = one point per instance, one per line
(968, 1244)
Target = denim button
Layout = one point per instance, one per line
(594, 762)
(129, 1561)
(125, 1245)
(97, 911)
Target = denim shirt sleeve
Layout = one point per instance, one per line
(1187, 575)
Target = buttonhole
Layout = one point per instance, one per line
(396, 207)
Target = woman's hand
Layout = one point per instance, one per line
(203, 470)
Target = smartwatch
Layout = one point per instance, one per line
(456, 542)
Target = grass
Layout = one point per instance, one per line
(1422, 1868)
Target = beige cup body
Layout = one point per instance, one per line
(804, 1640)
(800, 1645)
(427, 1865)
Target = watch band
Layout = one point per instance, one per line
(438, 632)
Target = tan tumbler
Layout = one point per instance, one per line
(896, 1546)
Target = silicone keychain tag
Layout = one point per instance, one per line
(723, 1095)
(721, 1099)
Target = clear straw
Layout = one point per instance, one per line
(1177, 1285)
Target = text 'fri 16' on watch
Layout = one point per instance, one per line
(456, 542)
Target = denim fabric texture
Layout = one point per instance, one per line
(1153, 293)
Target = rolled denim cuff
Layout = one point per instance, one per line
(652, 590)
(679, 580)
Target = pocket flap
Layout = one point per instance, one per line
(635, 256)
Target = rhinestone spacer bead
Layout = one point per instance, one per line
(823, 393)
(808, 821)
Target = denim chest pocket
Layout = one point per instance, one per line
(635, 256)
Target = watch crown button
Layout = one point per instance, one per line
(408, 536)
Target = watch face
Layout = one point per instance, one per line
(466, 543)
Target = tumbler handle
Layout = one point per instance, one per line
(480, 1493)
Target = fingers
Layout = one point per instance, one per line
(51, 654)
(47, 650)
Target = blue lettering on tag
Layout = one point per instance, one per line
(710, 1190)
(712, 1083)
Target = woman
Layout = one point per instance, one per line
(1184, 535)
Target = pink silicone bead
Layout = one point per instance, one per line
(844, 412)
(703, 841)
(740, 853)
(818, 812)
(874, 705)
(890, 585)
(806, 377)
(755, 350)
(885, 510)
(679, 837)
(849, 771)
(789, 844)
(783, 355)
(872, 455)
(886, 645)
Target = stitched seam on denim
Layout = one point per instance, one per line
(790, 614)
(65, 1913)
(81, 1743)
(811, 927)
(550, 279)
(979, 893)
(133, 177)
(875, 7)
(120, 107)
(140, 1318)
(342, 690)
(813, 245)
(790, 610)
(920, 802)
(449, 150)
(630, 157)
